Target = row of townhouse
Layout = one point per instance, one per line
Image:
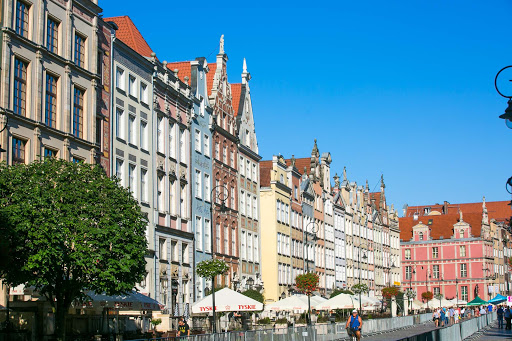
(344, 233)
(457, 251)
(84, 88)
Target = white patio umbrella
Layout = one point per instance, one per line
(295, 302)
(226, 300)
(460, 302)
(341, 301)
(416, 305)
(435, 303)
(130, 301)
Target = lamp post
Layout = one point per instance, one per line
(2, 128)
(359, 266)
(221, 195)
(413, 272)
(313, 230)
(250, 282)
(457, 289)
(427, 275)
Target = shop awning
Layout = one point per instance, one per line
(226, 300)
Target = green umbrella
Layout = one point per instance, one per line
(478, 301)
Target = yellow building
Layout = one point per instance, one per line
(276, 243)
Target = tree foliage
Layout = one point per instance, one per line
(307, 283)
(389, 292)
(336, 292)
(254, 294)
(410, 294)
(360, 288)
(427, 295)
(211, 267)
(69, 228)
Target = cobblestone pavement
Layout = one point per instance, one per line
(491, 333)
(401, 333)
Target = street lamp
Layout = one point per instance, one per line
(457, 290)
(313, 230)
(219, 200)
(427, 275)
(2, 128)
(250, 282)
(507, 116)
(410, 286)
(359, 266)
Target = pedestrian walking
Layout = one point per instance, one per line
(500, 314)
(183, 329)
(435, 317)
(452, 315)
(508, 318)
(483, 311)
(463, 312)
(442, 318)
(456, 315)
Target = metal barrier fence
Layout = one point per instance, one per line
(318, 332)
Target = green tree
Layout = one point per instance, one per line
(360, 288)
(254, 294)
(307, 283)
(69, 228)
(211, 267)
(336, 292)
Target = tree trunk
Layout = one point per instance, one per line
(61, 313)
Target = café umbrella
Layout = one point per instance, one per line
(226, 300)
(130, 301)
(477, 301)
(498, 299)
(294, 303)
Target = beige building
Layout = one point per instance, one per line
(276, 256)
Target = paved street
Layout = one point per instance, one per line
(400, 334)
(492, 333)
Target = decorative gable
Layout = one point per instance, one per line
(420, 232)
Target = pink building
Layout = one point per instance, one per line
(456, 255)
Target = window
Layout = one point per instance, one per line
(131, 129)
(184, 253)
(143, 92)
(198, 184)
(407, 253)
(244, 244)
(463, 271)
(172, 196)
(160, 193)
(52, 35)
(160, 135)
(420, 236)
(172, 141)
(226, 240)
(435, 271)
(254, 178)
(49, 153)
(174, 251)
(119, 170)
(120, 123)
(296, 192)
(143, 135)
(207, 189)
(162, 248)
(20, 87)
(207, 231)
(132, 86)
(462, 249)
(183, 201)
(256, 249)
(199, 233)
(217, 238)
(225, 154)
(50, 111)
(233, 197)
(242, 166)
(408, 272)
(75, 159)
(249, 247)
(79, 50)
(255, 208)
(22, 19)
(78, 113)
(464, 292)
(182, 145)
(120, 78)
(18, 151)
(233, 242)
(242, 202)
(217, 150)
(249, 205)
(206, 148)
(232, 158)
(437, 291)
(248, 169)
(197, 140)
(435, 252)
(132, 179)
(143, 185)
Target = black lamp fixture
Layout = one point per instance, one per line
(503, 84)
(283, 295)
(250, 282)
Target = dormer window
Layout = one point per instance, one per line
(426, 210)
(420, 236)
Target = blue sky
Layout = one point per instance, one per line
(403, 88)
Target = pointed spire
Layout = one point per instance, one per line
(221, 45)
(344, 173)
(366, 187)
(382, 185)
(245, 66)
(293, 156)
(460, 215)
(315, 148)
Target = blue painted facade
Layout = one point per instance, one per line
(201, 170)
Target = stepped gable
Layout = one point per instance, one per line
(130, 35)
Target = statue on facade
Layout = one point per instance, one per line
(221, 47)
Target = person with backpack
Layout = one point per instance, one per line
(354, 325)
(508, 317)
(500, 312)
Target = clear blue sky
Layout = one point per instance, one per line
(404, 88)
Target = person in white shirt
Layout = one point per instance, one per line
(456, 315)
(483, 311)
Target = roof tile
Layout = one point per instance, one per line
(130, 35)
(236, 92)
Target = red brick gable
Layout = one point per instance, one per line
(265, 169)
(130, 35)
(440, 225)
(184, 70)
(376, 197)
(236, 92)
(300, 164)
